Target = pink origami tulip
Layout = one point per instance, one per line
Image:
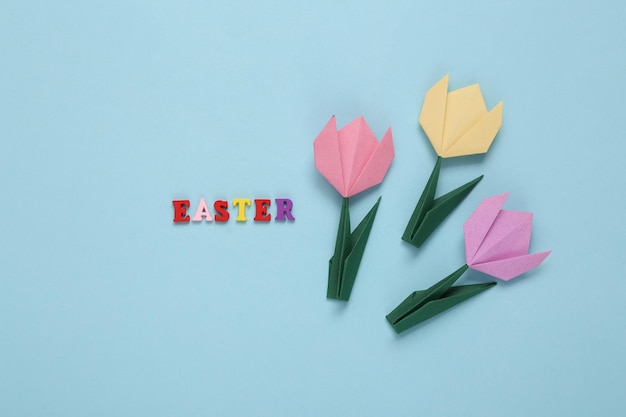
(497, 241)
(351, 159)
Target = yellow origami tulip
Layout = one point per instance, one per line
(458, 123)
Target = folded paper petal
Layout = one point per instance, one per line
(433, 115)
(464, 109)
(508, 237)
(479, 222)
(376, 167)
(328, 157)
(458, 123)
(510, 268)
(356, 144)
(479, 138)
(351, 159)
(497, 241)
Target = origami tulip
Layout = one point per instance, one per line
(352, 160)
(456, 124)
(496, 242)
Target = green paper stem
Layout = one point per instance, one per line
(349, 249)
(422, 305)
(429, 212)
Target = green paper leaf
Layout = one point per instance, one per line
(424, 203)
(418, 298)
(341, 278)
(342, 249)
(358, 241)
(440, 209)
(449, 299)
(429, 212)
(422, 305)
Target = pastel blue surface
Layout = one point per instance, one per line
(110, 111)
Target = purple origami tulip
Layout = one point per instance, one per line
(351, 159)
(497, 241)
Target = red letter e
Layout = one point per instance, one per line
(180, 211)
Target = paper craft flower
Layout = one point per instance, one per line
(457, 123)
(351, 159)
(497, 241)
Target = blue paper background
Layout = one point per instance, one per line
(109, 111)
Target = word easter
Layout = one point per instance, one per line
(283, 210)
